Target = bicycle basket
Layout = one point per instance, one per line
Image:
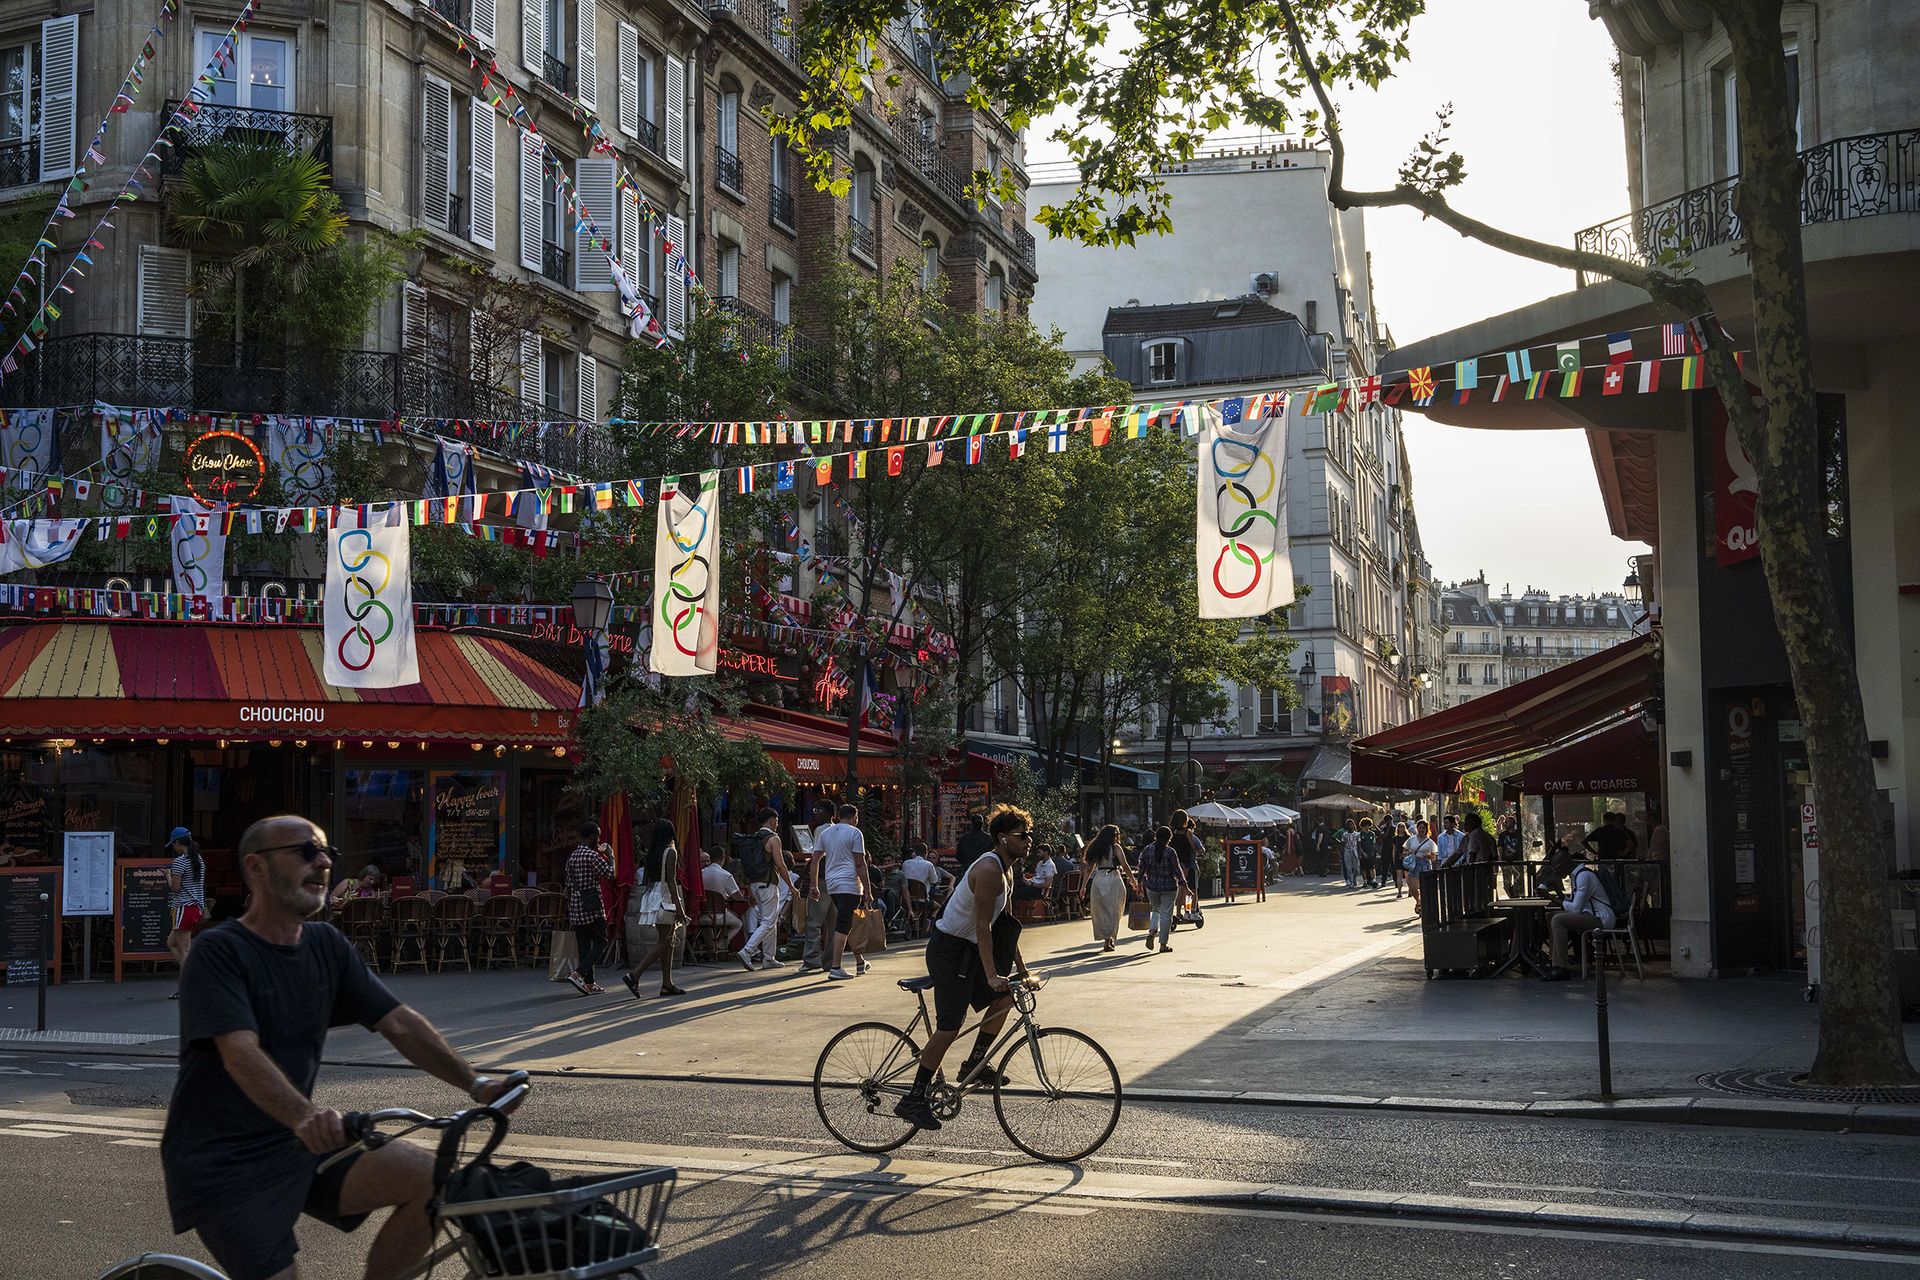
(519, 1220)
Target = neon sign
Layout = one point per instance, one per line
(224, 466)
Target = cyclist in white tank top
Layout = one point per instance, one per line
(961, 918)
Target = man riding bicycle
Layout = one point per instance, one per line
(973, 941)
(243, 1138)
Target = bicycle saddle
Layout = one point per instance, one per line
(917, 984)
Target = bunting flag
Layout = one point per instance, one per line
(1649, 376)
(1566, 357)
(686, 575)
(367, 611)
(1519, 366)
(29, 444)
(35, 544)
(1245, 570)
(1693, 373)
(746, 479)
(1569, 383)
(823, 471)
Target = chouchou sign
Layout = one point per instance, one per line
(224, 466)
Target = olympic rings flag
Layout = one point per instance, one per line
(27, 445)
(686, 576)
(199, 551)
(368, 607)
(35, 544)
(297, 451)
(1241, 534)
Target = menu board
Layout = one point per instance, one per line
(956, 801)
(26, 821)
(20, 921)
(89, 881)
(1245, 872)
(468, 828)
(141, 919)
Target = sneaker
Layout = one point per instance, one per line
(772, 962)
(747, 961)
(982, 1076)
(839, 975)
(862, 967)
(915, 1109)
(806, 969)
(579, 984)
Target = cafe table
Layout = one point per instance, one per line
(1529, 923)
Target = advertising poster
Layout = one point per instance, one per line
(467, 834)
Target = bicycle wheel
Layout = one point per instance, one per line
(1062, 1096)
(162, 1266)
(861, 1074)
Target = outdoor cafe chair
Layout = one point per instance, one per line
(919, 909)
(451, 917)
(364, 922)
(1624, 931)
(711, 932)
(546, 912)
(1069, 894)
(500, 931)
(412, 916)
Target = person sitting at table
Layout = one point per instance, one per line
(715, 878)
(1586, 908)
(920, 868)
(1037, 884)
(370, 883)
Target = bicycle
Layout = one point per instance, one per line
(1060, 1102)
(578, 1228)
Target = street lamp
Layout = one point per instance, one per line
(1631, 587)
(592, 613)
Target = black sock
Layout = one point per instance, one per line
(921, 1079)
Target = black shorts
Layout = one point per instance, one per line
(844, 905)
(253, 1239)
(959, 981)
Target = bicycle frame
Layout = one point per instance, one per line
(1024, 1003)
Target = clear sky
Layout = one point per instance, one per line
(1537, 119)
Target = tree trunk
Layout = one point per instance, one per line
(1861, 1041)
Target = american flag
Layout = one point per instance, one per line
(1673, 339)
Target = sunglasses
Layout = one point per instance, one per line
(309, 850)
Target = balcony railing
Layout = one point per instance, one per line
(557, 73)
(556, 264)
(808, 364)
(1857, 177)
(767, 19)
(649, 137)
(457, 214)
(454, 11)
(1473, 646)
(922, 154)
(780, 206)
(861, 237)
(726, 169)
(298, 134)
(20, 162)
(1023, 245)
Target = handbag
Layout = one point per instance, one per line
(566, 955)
(869, 931)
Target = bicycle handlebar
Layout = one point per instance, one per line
(363, 1127)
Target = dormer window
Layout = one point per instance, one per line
(1163, 362)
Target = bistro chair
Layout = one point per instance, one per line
(1069, 894)
(364, 921)
(919, 909)
(1623, 931)
(452, 915)
(546, 911)
(711, 932)
(500, 931)
(412, 918)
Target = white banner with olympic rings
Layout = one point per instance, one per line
(26, 445)
(34, 544)
(1241, 535)
(199, 550)
(130, 445)
(686, 577)
(368, 607)
(297, 451)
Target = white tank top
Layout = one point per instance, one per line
(957, 921)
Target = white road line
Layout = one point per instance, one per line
(27, 1132)
(1648, 1193)
(149, 1143)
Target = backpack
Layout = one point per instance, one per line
(750, 849)
(1610, 887)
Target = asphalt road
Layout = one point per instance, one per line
(78, 1132)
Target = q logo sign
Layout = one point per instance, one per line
(368, 574)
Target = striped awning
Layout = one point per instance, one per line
(129, 679)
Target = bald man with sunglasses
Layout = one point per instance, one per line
(244, 1138)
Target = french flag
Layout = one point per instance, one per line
(1619, 347)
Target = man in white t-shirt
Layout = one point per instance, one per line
(921, 868)
(840, 876)
(715, 878)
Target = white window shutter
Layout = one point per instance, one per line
(532, 369)
(593, 184)
(676, 129)
(673, 282)
(485, 24)
(631, 229)
(629, 103)
(532, 192)
(413, 320)
(533, 34)
(586, 76)
(59, 95)
(588, 378)
(164, 306)
(436, 144)
(482, 216)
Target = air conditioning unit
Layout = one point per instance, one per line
(1265, 283)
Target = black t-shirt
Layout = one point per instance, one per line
(1609, 842)
(217, 1143)
(1184, 845)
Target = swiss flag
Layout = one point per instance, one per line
(1616, 380)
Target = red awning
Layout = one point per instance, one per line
(813, 748)
(1616, 761)
(1434, 752)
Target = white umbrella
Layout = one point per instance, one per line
(1348, 804)
(1272, 813)
(1219, 815)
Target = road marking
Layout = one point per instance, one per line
(1654, 1194)
(152, 1144)
(25, 1131)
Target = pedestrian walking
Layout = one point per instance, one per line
(1188, 845)
(1476, 842)
(1108, 882)
(661, 907)
(1367, 842)
(1348, 839)
(186, 895)
(1421, 855)
(1390, 863)
(1507, 844)
(588, 866)
(764, 863)
(1449, 840)
(1165, 879)
(840, 872)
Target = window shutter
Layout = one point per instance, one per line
(673, 284)
(533, 34)
(164, 306)
(532, 369)
(629, 103)
(587, 20)
(413, 320)
(436, 137)
(631, 229)
(587, 377)
(532, 175)
(485, 26)
(481, 152)
(676, 129)
(593, 184)
(59, 89)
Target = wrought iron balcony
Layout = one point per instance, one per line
(862, 238)
(765, 18)
(726, 169)
(556, 264)
(1857, 177)
(298, 134)
(457, 214)
(649, 137)
(808, 364)
(20, 162)
(557, 73)
(454, 11)
(922, 154)
(780, 206)
(1023, 245)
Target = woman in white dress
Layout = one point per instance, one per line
(1109, 877)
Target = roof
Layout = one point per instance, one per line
(1462, 610)
(130, 679)
(812, 748)
(1434, 752)
(1192, 317)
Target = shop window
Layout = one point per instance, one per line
(385, 822)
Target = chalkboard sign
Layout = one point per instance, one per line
(20, 921)
(1246, 869)
(141, 917)
(26, 821)
(469, 826)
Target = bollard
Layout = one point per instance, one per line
(46, 956)
(1594, 943)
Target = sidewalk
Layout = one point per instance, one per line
(1315, 994)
